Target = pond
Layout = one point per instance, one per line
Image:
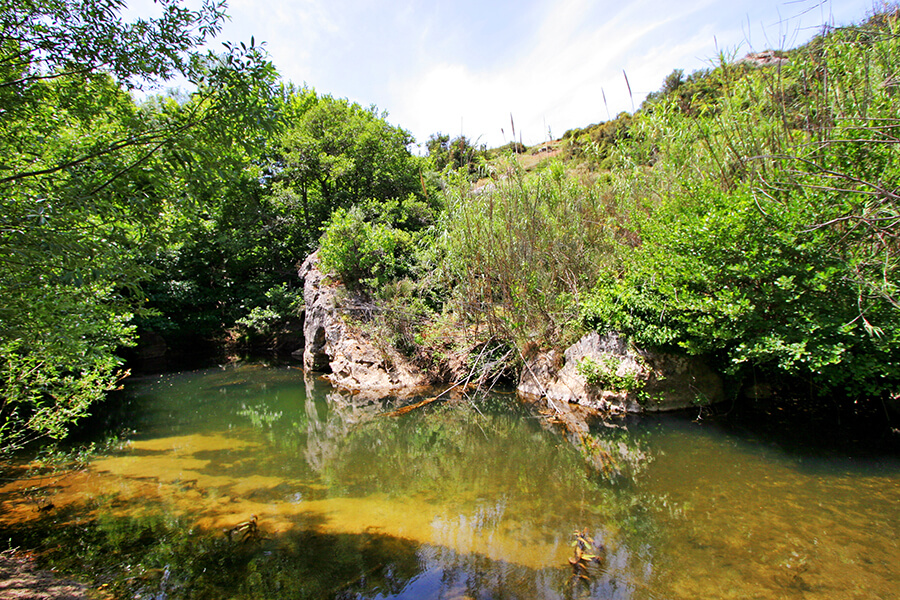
(259, 482)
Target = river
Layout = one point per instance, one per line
(260, 482)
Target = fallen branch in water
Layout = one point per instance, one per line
(426, 402)
(411, 407)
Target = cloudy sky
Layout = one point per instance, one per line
(465, 66)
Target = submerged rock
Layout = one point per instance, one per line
(335, 346)
(605, 373)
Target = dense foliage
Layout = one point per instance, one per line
(262, 217)
(766, 217)
(747, 212)
(85, 178)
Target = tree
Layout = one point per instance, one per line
(83, 182)
(456, 154)
(335, 154)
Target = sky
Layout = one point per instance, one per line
(481, 67)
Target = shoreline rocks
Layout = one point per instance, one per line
(601, 373)
(344, 353)
(605, 373)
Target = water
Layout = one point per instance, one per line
(254, 482)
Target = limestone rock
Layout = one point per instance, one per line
(321, 302)
(765, 58)
(624, 378)
(333, 345)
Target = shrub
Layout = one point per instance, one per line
(265, 322)
(603, 374)
(767, 224)
(363, 254)
(523, 251)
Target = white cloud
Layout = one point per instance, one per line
(465, 65)
(558, 84)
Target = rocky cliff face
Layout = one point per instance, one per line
(334, 346)
(604, 373)
(599, 372)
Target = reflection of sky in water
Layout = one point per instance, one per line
(490, 499)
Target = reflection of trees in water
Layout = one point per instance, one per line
(325, 435)
(621, 575)
(496, 472)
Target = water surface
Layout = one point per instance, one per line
(253, 482)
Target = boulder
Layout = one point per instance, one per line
(765, 58)
(605, 373)
(334, 345)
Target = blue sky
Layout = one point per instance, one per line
(464, 66)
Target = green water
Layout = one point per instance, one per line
(458, 499)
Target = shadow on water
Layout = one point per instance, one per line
(809, 434)
(159, 556)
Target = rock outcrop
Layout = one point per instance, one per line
(600, 372)
(345, 353)
(765, 58)
(605, 373)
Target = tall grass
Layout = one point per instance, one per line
(523, 251)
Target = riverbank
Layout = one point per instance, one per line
(22, 579)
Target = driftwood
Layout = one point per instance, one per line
(411, 407)
(426, 402)
(465, 383)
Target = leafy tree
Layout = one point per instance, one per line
(83, 182)
(374, 242)
(268, 209)
(456, 154)
(335, 154)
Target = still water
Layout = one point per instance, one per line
(254, 482)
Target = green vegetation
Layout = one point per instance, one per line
(604, 374)
(765, 218)
(521, 252)
(457, 154)
(747, 212)
(87, 184)
(596, 144)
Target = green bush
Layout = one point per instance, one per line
(363, 254)
(284, 305)
(764, 228)
(603, 374)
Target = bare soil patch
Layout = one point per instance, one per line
(21, 579)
